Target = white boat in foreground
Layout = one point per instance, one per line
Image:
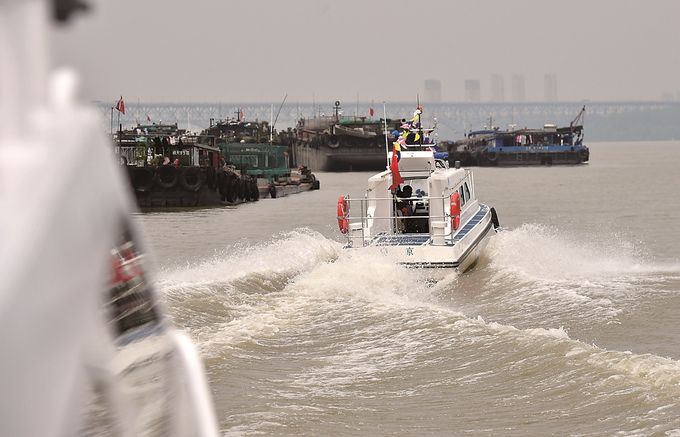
(430, 220)
(87, 348)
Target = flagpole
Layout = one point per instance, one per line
(420, 125)
(120, 135)
(387, 145)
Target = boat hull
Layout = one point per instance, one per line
(340, 159)
(269, 190)
(459, 253)
(168, 186)
(521, 157)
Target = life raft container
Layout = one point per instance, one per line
(455, 210)
(343, 213)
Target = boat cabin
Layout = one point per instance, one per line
(420, 205)
(263, 160)
(149, 145)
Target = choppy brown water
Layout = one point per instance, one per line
(568, 326)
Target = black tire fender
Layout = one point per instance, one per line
(142, 179)
(167, 176)
(191, 178)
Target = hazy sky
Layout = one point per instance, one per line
(321, 50)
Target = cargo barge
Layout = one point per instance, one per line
(550, 145)
(342, 143)
(170, 167)
(259, 151)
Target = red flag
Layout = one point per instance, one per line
(396, 176)
(147, 118)
(240, 115)
(371, 112)
(121, 105)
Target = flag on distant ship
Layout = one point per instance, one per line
(396, 147)
(371, 112)
(121, 105)
(394, 167)
(240, 114)
(147, 118)
(415, 121)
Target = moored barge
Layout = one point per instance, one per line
(342, 143)
(550, 145)
(257, 150)
(170, 167)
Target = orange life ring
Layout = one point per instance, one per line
(343, 213)
(455, 210)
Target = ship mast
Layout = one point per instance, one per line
(420, 125)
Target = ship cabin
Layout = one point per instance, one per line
(420, 205)
(149, 145)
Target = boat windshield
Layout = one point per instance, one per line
(413, 213)
(419, 187)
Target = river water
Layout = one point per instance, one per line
(567, 326)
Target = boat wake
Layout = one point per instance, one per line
(317, 323)
(541, 275)
(536, 251)
(533, 275)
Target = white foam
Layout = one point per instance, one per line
(368, 316)
(284, 256)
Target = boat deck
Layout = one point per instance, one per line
(420, 239)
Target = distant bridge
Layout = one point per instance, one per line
(453, 118)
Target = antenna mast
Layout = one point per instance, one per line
(271, 129)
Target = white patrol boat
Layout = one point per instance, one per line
(419, 211)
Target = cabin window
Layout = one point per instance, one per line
(245, 160)
(464, 193)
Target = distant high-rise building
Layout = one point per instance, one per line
(433, 91)
(497, 88)
(472, 90)
(550, 88)
(517, 88)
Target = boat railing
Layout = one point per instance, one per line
(126, 154)
(366, 219)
